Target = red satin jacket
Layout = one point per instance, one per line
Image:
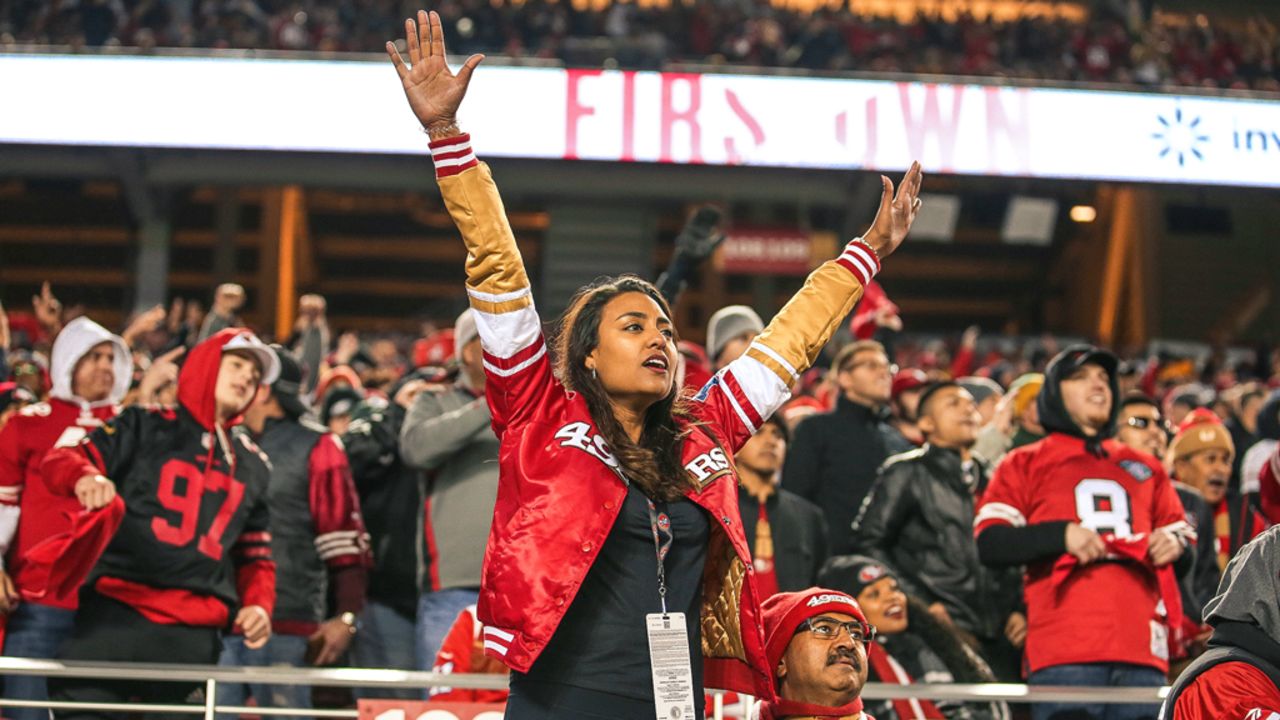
(559, 491)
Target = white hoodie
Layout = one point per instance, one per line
(76, 339)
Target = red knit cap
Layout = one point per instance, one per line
(1198, 417)
(784, 612)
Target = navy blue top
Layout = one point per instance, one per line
(601, 644)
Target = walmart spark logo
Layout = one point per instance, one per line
(1180, 137)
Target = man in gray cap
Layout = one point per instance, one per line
(986, 393)
(729, 332)
(447, 432)
(1239, 677)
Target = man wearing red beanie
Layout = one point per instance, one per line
(815, 641)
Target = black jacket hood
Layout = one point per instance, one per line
(1053, 412)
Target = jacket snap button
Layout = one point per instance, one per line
(726, 520)
(559, 602)
(608, 504)
(586, 547)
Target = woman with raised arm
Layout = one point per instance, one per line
(617, 581)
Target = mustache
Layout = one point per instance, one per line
(842, 653)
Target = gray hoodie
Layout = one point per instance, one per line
(448, 433)
(1250, 587)
(1245, 615)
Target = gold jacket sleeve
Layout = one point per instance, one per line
(792, 340)
(496, 279)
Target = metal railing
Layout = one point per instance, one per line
(212, 675)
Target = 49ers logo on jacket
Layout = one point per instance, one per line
(578, 435)
(705, 467)
(708, 466)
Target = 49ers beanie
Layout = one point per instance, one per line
(784, 612)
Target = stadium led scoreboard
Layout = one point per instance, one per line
(651, 117)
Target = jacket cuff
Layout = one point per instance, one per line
(453, 155)
(859, 259)
(256, 585)
(62, 468)
(349, 587)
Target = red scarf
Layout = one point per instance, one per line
(780, 708)
(891, 671)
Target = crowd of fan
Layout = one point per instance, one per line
(1109, 47)
(819, 502)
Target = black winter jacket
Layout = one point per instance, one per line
(918, 520)
(391, 495)
(832, 463)
(1198, 579)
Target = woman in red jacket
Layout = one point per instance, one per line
(615, 529)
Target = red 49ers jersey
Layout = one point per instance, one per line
(1107, 611)
(23, 444)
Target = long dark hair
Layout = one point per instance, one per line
(653, 463)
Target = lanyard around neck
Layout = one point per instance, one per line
(663, 537)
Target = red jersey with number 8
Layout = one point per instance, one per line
(1107, 611)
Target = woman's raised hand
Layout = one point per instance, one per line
(433, 91)
(894, 218)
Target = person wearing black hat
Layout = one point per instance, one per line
(1099, 526)
(337, 408)
(318, 541)
(918, 518)
(12, 399)
(911, 645)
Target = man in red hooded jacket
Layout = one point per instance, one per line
(194, 546)
(91, 371)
